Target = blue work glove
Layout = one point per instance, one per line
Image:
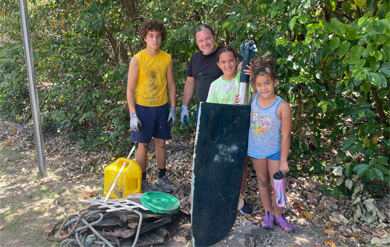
(252, 48)
(172, 119)
(185, 116)
(135, 123)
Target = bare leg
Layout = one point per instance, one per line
(244, 175)
(142, 151)
(161, 153)
(273, 167)
(262, 173)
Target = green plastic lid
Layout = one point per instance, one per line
(160, 203)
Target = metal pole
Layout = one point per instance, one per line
(244, 79)
(32, 85)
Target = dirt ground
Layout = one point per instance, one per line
(31, 205)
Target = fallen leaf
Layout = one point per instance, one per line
(329, 232)
(179, 239)
(249, 217)
(8, 144)
(1, 227)
(301, 215)
(352, 235)
(50, 185)
(23, 219)
(3, 176)
(95, 192)
(334, 220)
(329, 242)
(328, 224)
(42, 182)
(18, 211)
(6, 160)
(86, 196)
(307, 215)
(47, 230)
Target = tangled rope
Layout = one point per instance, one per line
(80, 222)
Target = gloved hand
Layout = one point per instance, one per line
(252, 48)
(172, 119)
(135, 123)
(185, 116)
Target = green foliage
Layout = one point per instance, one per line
(14, 97)
(333, 62)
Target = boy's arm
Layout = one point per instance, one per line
(132, 83)
(171, 85)
(172, 119)
(286, 116)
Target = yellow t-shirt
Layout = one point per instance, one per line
(151, 89)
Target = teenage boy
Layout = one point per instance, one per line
(150, 81)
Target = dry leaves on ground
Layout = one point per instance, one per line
(330, 232)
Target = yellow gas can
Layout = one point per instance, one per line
(128, 182)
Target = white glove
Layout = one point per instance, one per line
(185, 116)
(172, 119)
(135, 123)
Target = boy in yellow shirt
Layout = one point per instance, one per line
(150, 82)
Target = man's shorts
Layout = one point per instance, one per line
(154, 122)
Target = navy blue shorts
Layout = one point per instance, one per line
(154, 122)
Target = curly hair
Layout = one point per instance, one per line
(263, 65)
(152, 25)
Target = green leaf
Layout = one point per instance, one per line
(334, 43)
(372, 162)
(367, 51)
(383, 79)
(361, 171)
(302, 19)
(370, 174)
(346, 8)
(378, 173)
(324, 108)
(225, 24)
(383, 160)
(350, 32)
(378, 55)
(292, 22)
(338, 27)
(360, 63)
(327, 27)
(376, 80)
(331, 4)
(366, 86)
(360, 3)
(358, 167)
(361, 113)
(374, 65)
(385, 71)
(343, 49)
(383, 169)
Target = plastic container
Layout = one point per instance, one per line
(128, 182)
(280, 192)
(160, 203)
